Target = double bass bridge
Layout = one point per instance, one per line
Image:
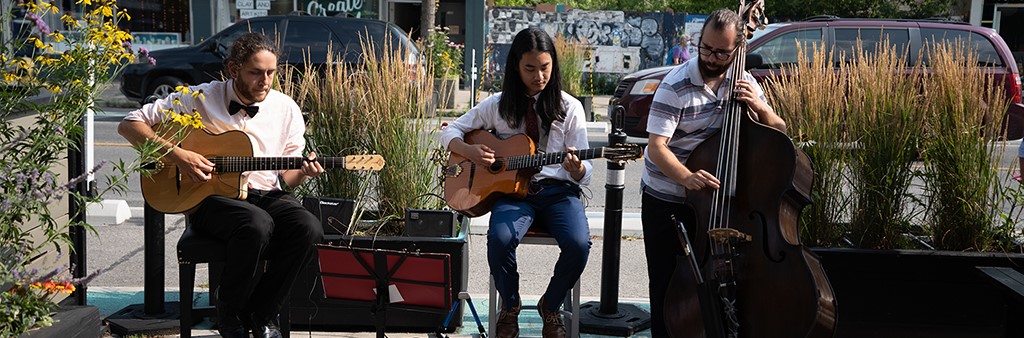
(728, 236)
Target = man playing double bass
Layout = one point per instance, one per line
(688, 108)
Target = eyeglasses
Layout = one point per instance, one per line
(720, 55)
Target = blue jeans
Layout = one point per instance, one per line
(555, 204)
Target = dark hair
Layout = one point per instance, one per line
(513, 98)
(722, 18)
(247, 45)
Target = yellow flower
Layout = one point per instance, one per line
(124, 14)
(50, 7)
(57, 36)
(84, 2)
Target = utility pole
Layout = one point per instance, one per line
(427, 12)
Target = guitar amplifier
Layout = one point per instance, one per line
(430, 223)
(334, 213)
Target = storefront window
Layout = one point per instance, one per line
(244, 9)
(355, 8)
(170, 16)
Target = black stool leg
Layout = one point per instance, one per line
(186, 282)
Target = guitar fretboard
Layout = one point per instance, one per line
(538, 160)
(226, 164)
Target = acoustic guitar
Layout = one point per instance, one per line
(472, 189)
(167, 191)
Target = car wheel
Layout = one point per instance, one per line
(165, 85)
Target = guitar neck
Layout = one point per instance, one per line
(540, 160)
(226, 164)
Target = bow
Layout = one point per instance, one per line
(235, 107)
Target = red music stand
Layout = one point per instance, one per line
(422, 280)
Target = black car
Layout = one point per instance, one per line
(301, 37)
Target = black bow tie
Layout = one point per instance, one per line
(235, 107)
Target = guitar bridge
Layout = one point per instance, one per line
(452, 171)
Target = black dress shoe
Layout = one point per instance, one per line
(267, 330)
(228, 330)
(228, 323)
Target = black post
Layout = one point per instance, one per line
(154, 316)
(153, 260)
(607, 317)
(76, 212)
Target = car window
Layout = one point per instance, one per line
(846, 40)
(781, 50)
(308, 41)
(400, 40)
(987, 55)
(352, 34)
(268, 28)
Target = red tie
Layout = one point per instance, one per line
(532, 124)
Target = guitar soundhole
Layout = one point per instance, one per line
(496, 166)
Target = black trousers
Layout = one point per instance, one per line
(661, 244)
(268, 224)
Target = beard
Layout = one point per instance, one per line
(711, 70)
(252, 92)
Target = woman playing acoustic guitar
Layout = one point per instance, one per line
(532, 103)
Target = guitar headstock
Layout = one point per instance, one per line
(364, 162)
(623, 152)
(753, 14)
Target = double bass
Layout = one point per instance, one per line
(745, 272)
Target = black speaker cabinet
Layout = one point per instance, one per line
(334, 213)
(430, 223)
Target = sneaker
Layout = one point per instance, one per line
(553, 326)
(508, 322)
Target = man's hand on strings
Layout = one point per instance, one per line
(192, 165)
(701, 180)
(311, 167)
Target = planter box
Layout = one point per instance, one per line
(917, 293)
(310, 311)
(444, 93)
(588, 106)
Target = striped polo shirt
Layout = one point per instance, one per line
(688, 112)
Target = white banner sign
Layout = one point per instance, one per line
(244, 4)
(250, 13)
(262, 4)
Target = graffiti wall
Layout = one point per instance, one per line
(620, 42)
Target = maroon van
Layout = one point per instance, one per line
(774, 46)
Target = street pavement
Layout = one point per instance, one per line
(117, 249)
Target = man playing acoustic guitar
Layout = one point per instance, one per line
(532, 103)
(270, 220)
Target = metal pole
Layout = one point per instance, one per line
(472, 78)
(607, 317)
(76, 211)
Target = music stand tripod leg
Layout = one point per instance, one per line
(463, 297)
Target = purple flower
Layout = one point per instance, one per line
(43, 27)
(143, 51)
(151, 60)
